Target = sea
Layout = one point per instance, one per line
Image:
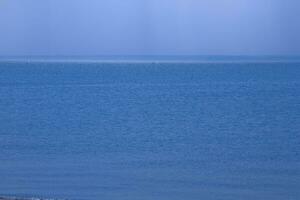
(214, 128)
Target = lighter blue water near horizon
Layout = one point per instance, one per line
(163, 131)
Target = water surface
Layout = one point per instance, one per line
(164, 131)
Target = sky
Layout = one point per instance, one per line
(149, 27)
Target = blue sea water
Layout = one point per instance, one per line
(152, 130)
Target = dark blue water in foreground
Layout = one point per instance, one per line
(168, 131)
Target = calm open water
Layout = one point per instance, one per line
(150, 131)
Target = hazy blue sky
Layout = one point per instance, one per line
(159, 27)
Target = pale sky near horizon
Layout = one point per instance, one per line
(149, 27)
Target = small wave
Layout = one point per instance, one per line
(25, 198)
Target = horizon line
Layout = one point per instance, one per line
(154, 59)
